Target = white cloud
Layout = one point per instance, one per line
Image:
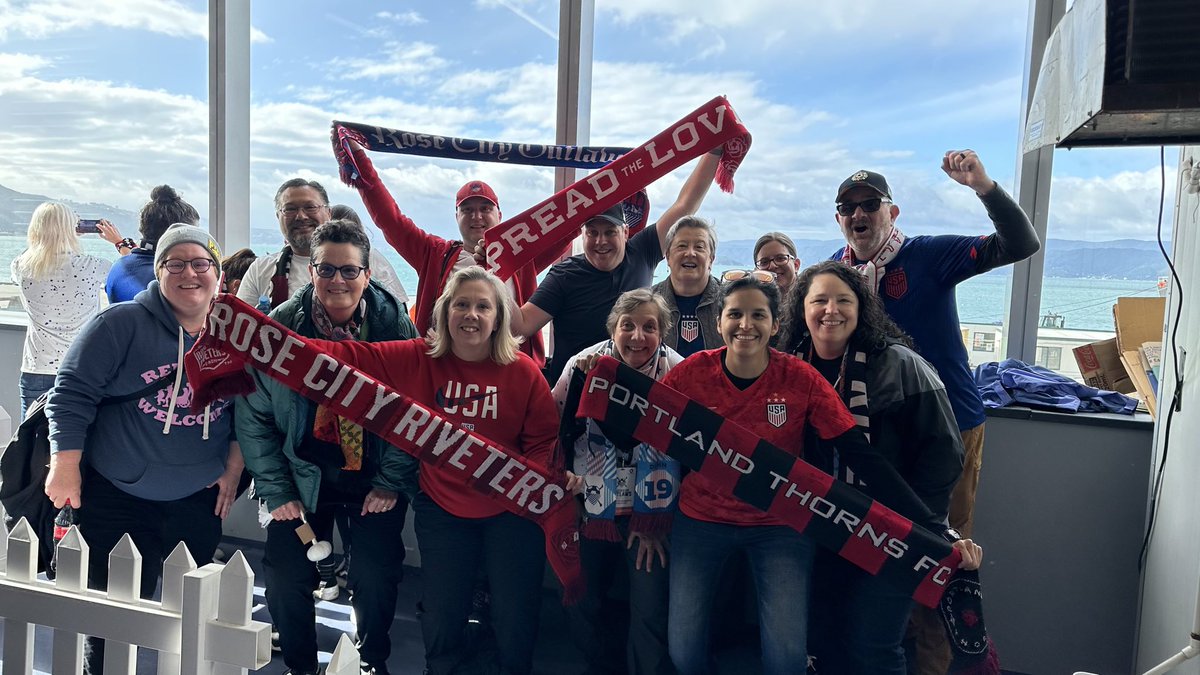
(410, 63)
(39, 19)
(409, 18)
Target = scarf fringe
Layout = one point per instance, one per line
(656, 524)
(599, 529)
(988, 665)
(347, 168)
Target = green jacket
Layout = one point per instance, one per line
(273, 421)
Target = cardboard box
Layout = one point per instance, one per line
(1100, 366)
(1138, 321)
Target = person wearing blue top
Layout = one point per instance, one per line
(132, 273)
(148, 467)
(916, 279)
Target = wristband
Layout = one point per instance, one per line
(951, 535)
(126, 243)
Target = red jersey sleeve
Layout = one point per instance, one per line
(410, 241)
(539, 433)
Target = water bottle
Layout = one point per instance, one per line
(62, 523)
(264, 303)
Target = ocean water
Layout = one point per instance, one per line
(1084, 303)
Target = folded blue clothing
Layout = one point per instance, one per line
(1012, 381)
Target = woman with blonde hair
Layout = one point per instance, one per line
(60, 289)
(469, 370)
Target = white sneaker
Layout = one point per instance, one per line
(327, 591)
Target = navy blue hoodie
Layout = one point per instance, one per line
(124, 348)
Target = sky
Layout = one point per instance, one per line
(100, 100)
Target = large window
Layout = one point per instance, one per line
(485, 72)
(96, 107)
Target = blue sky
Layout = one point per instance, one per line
(102, 99)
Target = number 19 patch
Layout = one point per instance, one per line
(657, 486)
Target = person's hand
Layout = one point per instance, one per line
(588, 362)
(649, 546)
(354, 145)
(227, 485)
(63, 483)
(965, 168)
(972, 554)
(574, 483)
(109, 232)
(289, 511)
(480, 255)
(379, 500)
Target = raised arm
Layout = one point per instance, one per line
(1015, 239)
(410, 241)
(691, 196)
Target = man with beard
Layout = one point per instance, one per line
(915, 277)
(690, 290)
(301, 205)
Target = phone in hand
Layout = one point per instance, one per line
(88, 226)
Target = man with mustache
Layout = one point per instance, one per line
(916, 277)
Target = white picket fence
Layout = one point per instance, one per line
(201, 626)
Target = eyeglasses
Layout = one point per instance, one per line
(199, 265)
(868, 206)
(781, 259)
(348, 272)
(309, 210)
(758, 275)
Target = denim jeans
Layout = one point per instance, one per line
(511, 551)
(858, 619)
(780, 561)
(374, 573)
(32, 386)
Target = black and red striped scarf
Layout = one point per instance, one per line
(236, 335)
(834, 514)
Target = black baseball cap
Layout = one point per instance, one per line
(864, 178)
(614, 214)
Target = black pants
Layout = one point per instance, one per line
(374, 573)
(598, 626)
(511, 551)
(156, 529)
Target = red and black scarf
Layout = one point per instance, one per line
(237, 335)
(834, 514)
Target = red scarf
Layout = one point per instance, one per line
(237, 335)
(517, 241)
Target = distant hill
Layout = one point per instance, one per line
(16, 208)
(1116, 259)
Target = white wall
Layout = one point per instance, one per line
(1172, 571)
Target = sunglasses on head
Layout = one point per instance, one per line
(348, 272)
(758, 275)
(867, 205)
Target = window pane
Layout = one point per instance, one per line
(99, 107)
(486, 72)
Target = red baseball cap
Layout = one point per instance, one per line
(476, 188)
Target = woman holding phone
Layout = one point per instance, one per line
(60, 288)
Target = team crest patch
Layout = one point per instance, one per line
(895, 284)
(777, 411)
(689, 330)
(210, 358)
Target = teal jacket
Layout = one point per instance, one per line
(273, 421)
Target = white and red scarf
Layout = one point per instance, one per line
(875, 267)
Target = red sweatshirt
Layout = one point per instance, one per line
(805, 396)
(433, 257)
(509, 405)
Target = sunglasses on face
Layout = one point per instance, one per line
(867, 205)
(781, 259)
(758, 275)
(348, 272)
(199, 265)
